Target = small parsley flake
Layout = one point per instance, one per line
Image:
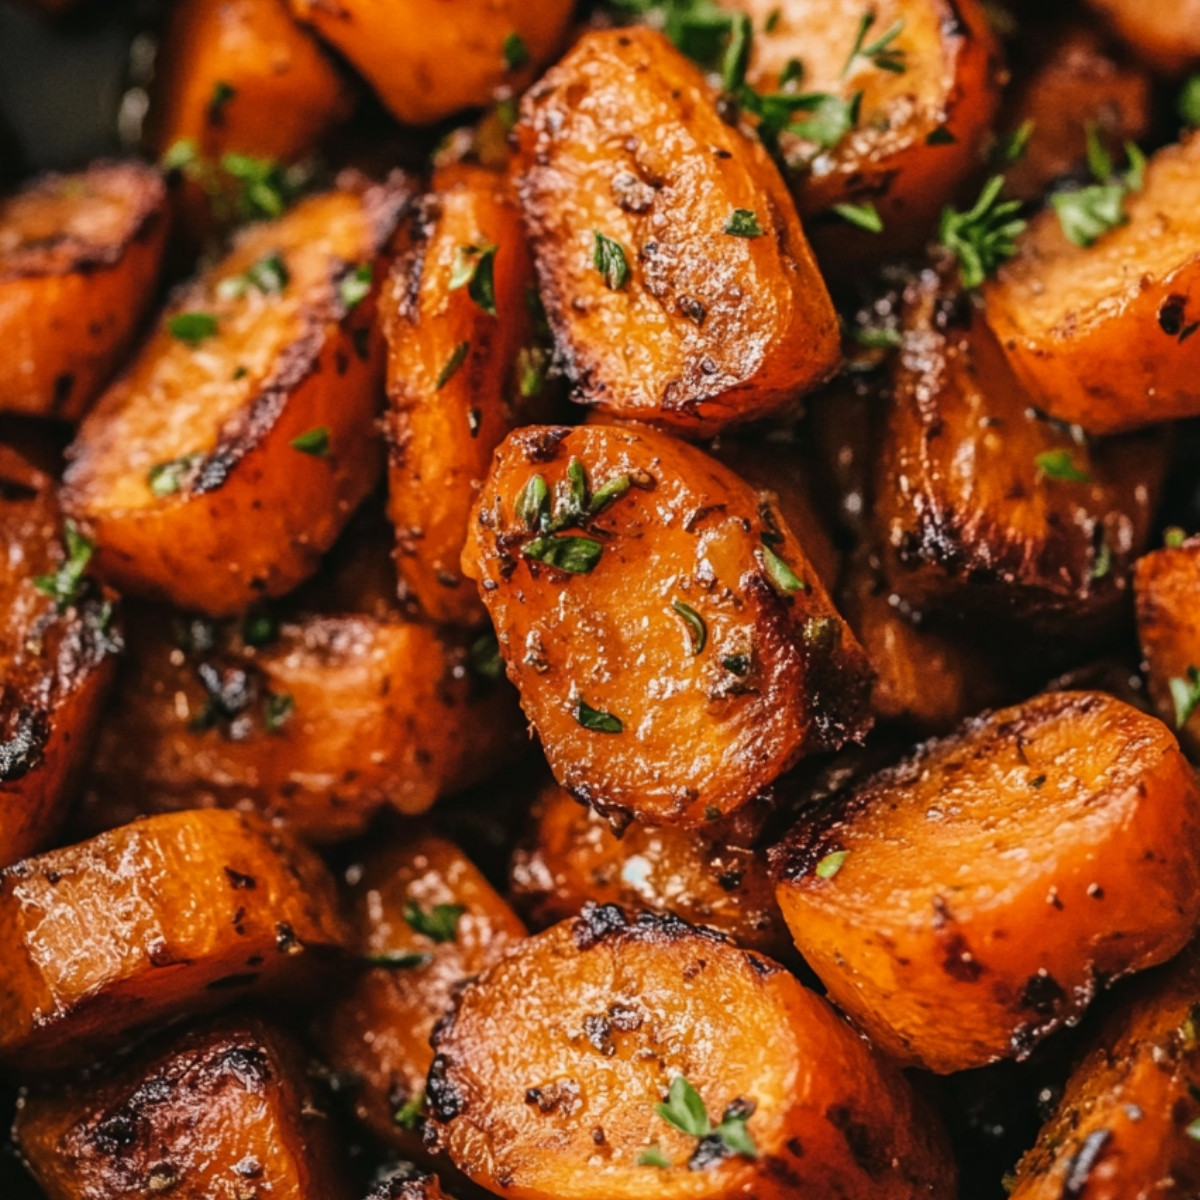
(609, 259)
(397, 960)
(412, 1114)
(192, 327)
(167, 478)
(315, 442)
(653, 1156)
(983, 237)
(597, 719)
(222, 93)
(743, 222)
(356, 286)
(1185, 695)
(475, 269)
(439, 924)
(781, 575)
(1060, 466)
(516, 52)
(865, 216)
(881, 53)
(457, 357)
(65, 585)
(831, 864)
(277, 709)
(573, 554)
(697, 630)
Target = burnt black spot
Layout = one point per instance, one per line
(227, 982)
(869, 1154)
(286, 941)
(240, 882)
(249, 1066)
(596, 922)
(598, 1031)
(23, 751)
(443, 1098)
(1042, 994)
(711, 1151)
(64, 385)
(1171, 314)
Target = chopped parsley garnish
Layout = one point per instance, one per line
(737, 664)
(881, 52)
(597, 719)
(315, 442)
(697, 629)
(259, 627)
(576, 555)
(412, 1114)
(532, 503)
(1011, 148)
(167, 478)
(532, 365)
(1174, 537)
(265, 187)
(397, 960)
(1192, 1129)
(1189, 102)
(653, 1156)
(781, 575)
(439, 924)
(457, 357)
(356, 286)
(684, 1110)
(1102, 555)
(737, 53)
(743, 222)
(65, 584)
(516, 53)
(268, 275)
(277, 709)
(1185, 694)
(984, 237)
(1060, 466)
(828, 117)
(192, 327)
(179, 155)
(609, 259)
(878, 337)
(865, 216)
(831, 864)
(772, 22)
(222, 93)
(475, 269)
(1087, 213)
(484, 657)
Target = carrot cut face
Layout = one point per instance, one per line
(675, 272)
(579, 1068)
(672, 645)
(1073, 815)
(239, 441)
(79, 260)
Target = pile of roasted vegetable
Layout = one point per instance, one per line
(602, 601)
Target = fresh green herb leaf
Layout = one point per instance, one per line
(457, 357)
(532, 503)
(507, 113)
(167, 478)
(1189, 101)
(743, 222)
(878, 337)
(397, 960)
(829, 118)
(781, 575)
(695, 623)
(1011, 147)
(516, 53)
(259, 627)
(222, 93)
(277, 709)
(684, 1109)
(793, 72)
(192, 327)
(484, 657)
(865, 216)
(653, 1156)
(356, 286)
(474, 269)
(179, 154)
(315, 442)
(735, 1134)
(881, 52)
(65, 584)
(1174, 537)
(1099, 160)
(412, 1114)
(577, 495)
(607, 494)
(440, 923)
(737, 664)
(772, 22)
(1102, 560)
(1185, 693)
(268, 275)
(265, 187)
(1088, 213)
(831, 864)
(609, 260)
(1192, 1129)
(737, 53)
(577, 555)
(1060, 466)
(532, 365)
(597, 719)
(984, 237)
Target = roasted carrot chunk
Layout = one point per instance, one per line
(79, 260)
(675, 273)
(426, 63)
(408, 1183)
(1101, 335)
(332, 719)
(1077, 80)
(673, 647)
(611, 1057)
(170, 915)
(223, 1110)
(1128, 1120)
(59, 635)
(1166, 35)
(460, 352)
(233, 450)
(916, 900)
(984, 507)
(1167, 585)
(900, 94)
(714, 876)
(425, 920)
